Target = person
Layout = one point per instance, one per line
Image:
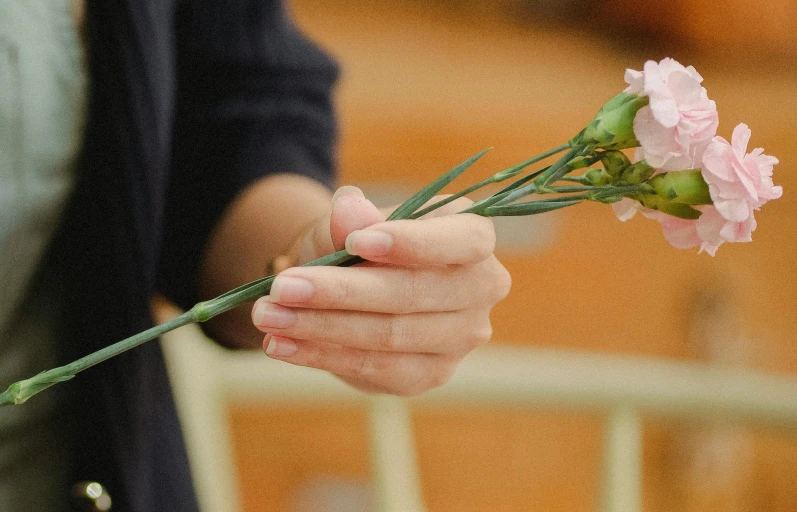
(207, 158)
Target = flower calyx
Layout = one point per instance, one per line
(684, 187)
(613, 125)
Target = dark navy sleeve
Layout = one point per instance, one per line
(254, 98)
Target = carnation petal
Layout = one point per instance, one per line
(745, 177)
(651, 77)
(678, 163)
(665, 110)
(735, 210)
(635, 81)
(680, 233)
(702, 122)
(668, 65)
(625, 208)
(740, 138)
(715, 158)
(658, 142)
(709, 248)
(692, 71)
(709, 225)
(685, 89)
(739, 231)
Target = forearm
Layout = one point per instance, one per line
(262, 223)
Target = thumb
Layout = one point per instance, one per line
(350, 211)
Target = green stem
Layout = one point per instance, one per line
(22, 390)
(496, 178)
(560, 168)
(547, 177)
(443, 202)
(250, 291)
(479, 206)
(574, 179)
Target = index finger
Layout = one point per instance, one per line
(451, 239)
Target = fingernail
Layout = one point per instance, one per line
(347, 190)
(368, 243)
(290, 289)
(280, 347)
(272, 315)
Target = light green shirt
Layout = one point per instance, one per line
(43, 87)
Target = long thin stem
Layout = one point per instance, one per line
(560, 168)
(545, 178)
(496, 178)
(443, 202)
(479, 206)
(22, 390)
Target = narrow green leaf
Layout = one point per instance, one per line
(529, 208)
(429, 191)
(505, 194)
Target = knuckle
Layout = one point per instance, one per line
(505, 283)
(411, 388)
(422, 246)
(393, 334)
(404, 392)
(314, 324)
(501, 282)
(342, 291)
(482, 334)
(483, 231)
(413, 293)
(317, 359)
(441, 377)
(365, 366)
(438, 375)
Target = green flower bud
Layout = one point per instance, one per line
(598, 177)
(684, 187)
(605, 198)
(637, 173)
(579, 162)
(680, 210)
(613, 126)
(615, 162)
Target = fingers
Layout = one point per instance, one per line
(350, 211)
(391, 289)
(399, 322)
(389, 372)
(440, 333)
(452, 239)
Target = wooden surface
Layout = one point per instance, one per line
(425, 85)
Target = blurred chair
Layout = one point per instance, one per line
(206, 377)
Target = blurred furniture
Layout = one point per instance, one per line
(206, 378)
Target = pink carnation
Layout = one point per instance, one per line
(708, 232)
(679, 118)
(738, 182)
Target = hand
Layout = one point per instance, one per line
(399, 323)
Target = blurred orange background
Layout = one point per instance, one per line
(427, 84)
